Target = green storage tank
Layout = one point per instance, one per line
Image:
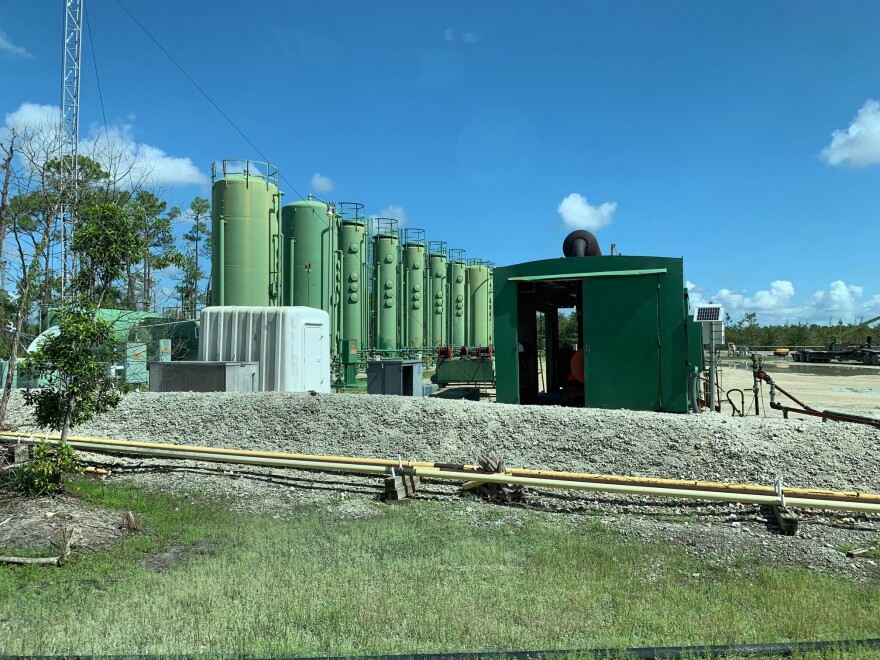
(457, 290)
(491, 305)
(435, 307)
(308, 228)
(246, 236)
(385, 284)
(413, 287)
(354, 281)
(477, 303)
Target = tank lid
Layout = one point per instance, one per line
(307, 203)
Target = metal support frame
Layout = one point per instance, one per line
(69, 133)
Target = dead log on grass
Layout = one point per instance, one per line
(60, 560)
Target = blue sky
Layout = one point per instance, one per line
(744, 137)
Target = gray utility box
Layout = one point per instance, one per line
(204, 376)
(401, 377)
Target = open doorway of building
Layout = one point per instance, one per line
(550, 332)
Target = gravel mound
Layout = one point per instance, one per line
(803, 452)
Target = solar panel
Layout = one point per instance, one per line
(706, 313)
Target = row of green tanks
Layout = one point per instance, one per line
(388, 290)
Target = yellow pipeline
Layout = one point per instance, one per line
(538, 482)
(471, 470)
(743, 498)
(241, 460)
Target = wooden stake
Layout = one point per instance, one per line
(21, 454)
(395, 489)
(788, 522)
(130, 522)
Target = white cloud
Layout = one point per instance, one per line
(35, 117)
(115, 148)
(577, 213)
(840, 298)
(777, 297)
(695, 294)
(466, 37)
(858, 145)
(394, 211)
(6, 45)
(321, 183)
(871, 308)
(778, 303)
(138, 162)
(773, 305)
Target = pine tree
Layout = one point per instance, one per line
(198, 239)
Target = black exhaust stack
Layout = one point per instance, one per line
(581, 243)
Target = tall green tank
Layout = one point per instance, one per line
(492, 305)
(457, 292)
(435, 307)
(478, 304)
(308, 228)
(245, 234)
(352, 246)
(413, 288)
(385, 261)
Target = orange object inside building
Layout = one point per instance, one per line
(577, 366)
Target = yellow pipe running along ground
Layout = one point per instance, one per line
(715, 491)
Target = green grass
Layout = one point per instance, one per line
(428, 577)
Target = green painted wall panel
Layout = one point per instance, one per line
(621, 339)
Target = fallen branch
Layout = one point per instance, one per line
(60, 560)
(857, 552)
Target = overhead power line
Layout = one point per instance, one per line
(204, 93)
(95, 62)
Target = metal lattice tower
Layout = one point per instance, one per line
(69, 133)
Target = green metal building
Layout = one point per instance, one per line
(636, 341)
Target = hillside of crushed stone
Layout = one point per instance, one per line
(804, 452)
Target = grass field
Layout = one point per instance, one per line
(427, 577)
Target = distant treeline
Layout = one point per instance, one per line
(748, 332)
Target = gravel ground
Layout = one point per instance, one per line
(803, 452)
(852, 388)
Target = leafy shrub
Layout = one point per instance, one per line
(44, 473)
